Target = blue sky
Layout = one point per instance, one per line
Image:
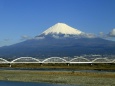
(21, 19)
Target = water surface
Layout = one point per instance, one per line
(12, 83)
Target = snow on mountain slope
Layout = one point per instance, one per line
(61, 28)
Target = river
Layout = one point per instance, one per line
(52, 69)
(11, 83)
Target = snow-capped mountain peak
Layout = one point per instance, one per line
(61, 28)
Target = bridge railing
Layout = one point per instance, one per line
(57, 60)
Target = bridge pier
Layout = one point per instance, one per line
(68, 64)
(10, 65)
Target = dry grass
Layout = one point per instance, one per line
(88, 66)
(107, 66)
(69, 77)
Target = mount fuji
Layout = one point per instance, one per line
(60, 40)
(61, 30)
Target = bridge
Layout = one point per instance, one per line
(57, 60)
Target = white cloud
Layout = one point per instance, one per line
(25, 37)
(89, 35)
(56, 36)
(102, 35)
(39, 38)
(112, 33)
(5, 42)
(66, 35)
(7, 39)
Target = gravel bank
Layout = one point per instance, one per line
(69, 77)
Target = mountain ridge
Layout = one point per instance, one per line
(44, 48)
(48, 46)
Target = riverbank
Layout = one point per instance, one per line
(77, 66)
(66, 77)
